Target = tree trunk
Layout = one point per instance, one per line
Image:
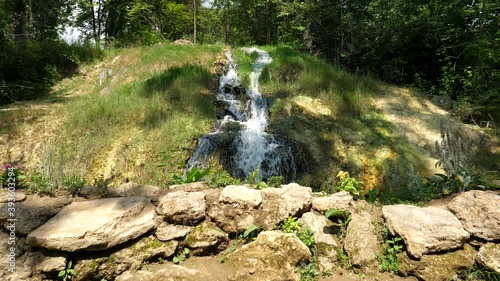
(227, 22)
(20, 36)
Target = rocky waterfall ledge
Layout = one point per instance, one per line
(135, 232)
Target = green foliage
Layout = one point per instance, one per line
(349, 184)
(254, 177)
(388, 261)
(221, 178)
(73, 184)
(342, 258)
(230, 249)
(181, 256)
(39, 184)
(290, 225)
(101, 184)
(68, 273)
(193, 175)
(251, 232)
(343, 217)
(275, 181)
(477, 272)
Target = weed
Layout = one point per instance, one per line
(342, 258)
(349, 184)
(254, 177)
(309, 271)
(230, 250)
(275, 181)
(68, 273)
(73, 183)
(181, 256)
(40, 184)
(290, 225)
(388, 261)
(251, 232)
(193, 175)
(342, 217)
(161, 260)
(476, 273)
(11, 174)
(222, 178)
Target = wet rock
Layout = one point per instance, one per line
(273, 256)
(166, 232)
(425, 230)
(489, 256)
(95, 225)
(479, 212)
(164, 272)
(32, 212)
(182, 207)
(361, 242)
(341, 201)
(437, 267)
(206, 238)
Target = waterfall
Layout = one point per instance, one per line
(241, 132)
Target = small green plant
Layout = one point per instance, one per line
(221, 178)
(275, 181)
(251, 232)
(476, 272)
(231, 249)
(68, 273)
(290, 225)
(388, 261)
(341, 217)
(40, 185)
(193, 175)
(342, 258)
(181, 256)
(349, 184)
(309, 271)
(254, 177)
(161, 260)
(74, 184)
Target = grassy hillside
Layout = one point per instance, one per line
(142, 122)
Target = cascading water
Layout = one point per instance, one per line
(240, 134)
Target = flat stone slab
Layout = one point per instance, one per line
(241, 195)
(181, 207)
(479, 212)
(425, 230)
(341, 201)
(95, 225)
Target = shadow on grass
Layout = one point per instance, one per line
(182, 89)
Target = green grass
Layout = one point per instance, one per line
(146, 120)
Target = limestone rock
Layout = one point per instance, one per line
(206, 238)
(489, 256)
(425, 230)
(361, 243)
(182, 207)
(234, 214)
(164, 272)
(437, 267)
(95, 225)
(341, 201)
(19, 196)
(273, 256)
(132, 189)
(166, 232)
(479, 212)
(324, 236)
(281, 203)
(33, 212)
(52, 264)
(241, 195)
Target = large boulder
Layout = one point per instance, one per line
(425, 230)
(479, 212)
(95, 225)
(33, 212)
(361, 242)
(341, 201)
(206, 238)
(489, 256)
(182, 207)
(281, 203)
(441, 267)
(273, 256)
(235, 209)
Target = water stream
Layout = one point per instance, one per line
(241, 134)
